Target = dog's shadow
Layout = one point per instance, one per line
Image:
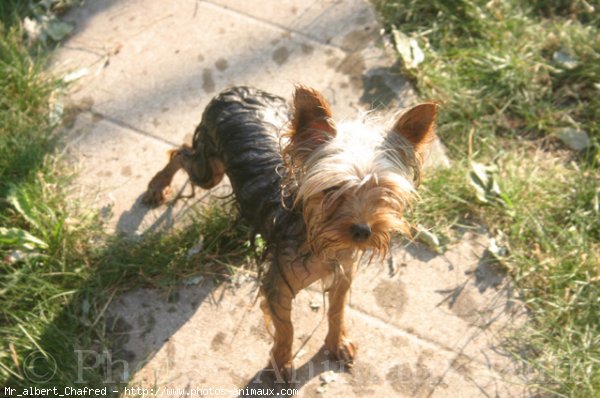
(269, 383)
(131, 220)
(265, 382)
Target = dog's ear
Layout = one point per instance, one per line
(311, 112)
(417, 125)
(312, 123)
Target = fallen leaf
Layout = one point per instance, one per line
(57, 29)
(482, 178)
(408, 49)
(576, 140)
(499, 250)
(32, 28)
(197, 248)
(564, 59)
(428, 238)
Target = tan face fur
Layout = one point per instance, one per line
(353, 179)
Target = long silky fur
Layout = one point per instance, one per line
(362, 161)
(292, 195)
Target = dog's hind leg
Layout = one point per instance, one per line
(205, 171)
(159, 186)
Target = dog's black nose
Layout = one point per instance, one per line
(360, 232)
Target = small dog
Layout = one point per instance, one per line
(331, 193)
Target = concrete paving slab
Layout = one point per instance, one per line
(213, 336)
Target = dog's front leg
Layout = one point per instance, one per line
(287, 276)
(337, 342)
(277, 307)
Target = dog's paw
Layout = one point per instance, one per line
(156, 195)
(287, 373)
(282, 373)
(342, 350)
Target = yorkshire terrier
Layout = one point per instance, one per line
(320, 193)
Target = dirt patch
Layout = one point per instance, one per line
(222, 64)
(364, 376)
(359, 38)
(391, 296)
(218, 341)
(260, 332)
(417, 382)
(208, 83)
(353, 65)
(398, 341)
(281, 55)
(461, 365)
(307, 49)
(465, 307)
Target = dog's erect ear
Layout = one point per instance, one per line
(312, 123)
(311, 112)
(417, 125)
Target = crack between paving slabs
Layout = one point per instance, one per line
(131, 128)
(277, 26)
(429, 342)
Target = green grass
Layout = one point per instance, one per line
(498, 69)
(58, 270)
(53, 302)
(25, 130)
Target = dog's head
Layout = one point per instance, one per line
(353, 179)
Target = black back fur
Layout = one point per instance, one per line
(241, 127)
